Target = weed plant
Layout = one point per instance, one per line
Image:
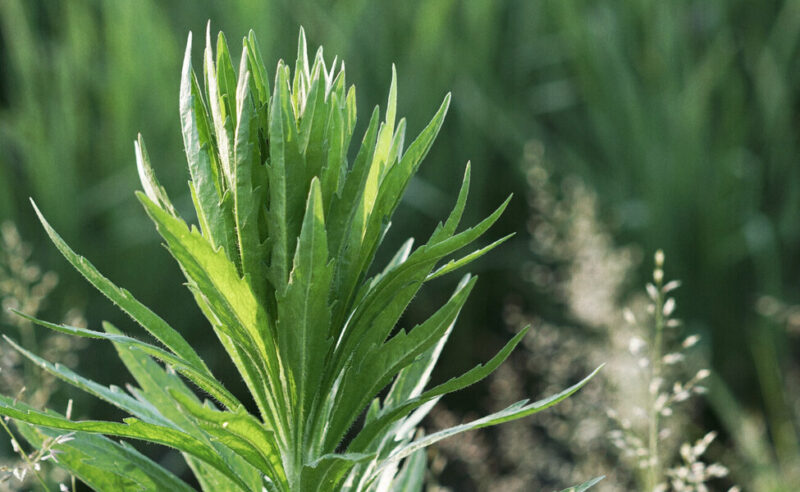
(280, 264)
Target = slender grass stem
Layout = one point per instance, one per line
(24, 455)
(658, 335)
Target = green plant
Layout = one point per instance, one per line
(280, 268)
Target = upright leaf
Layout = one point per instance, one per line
(304, 311)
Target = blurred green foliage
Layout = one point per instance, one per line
(683, 115)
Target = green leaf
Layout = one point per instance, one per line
(147, 176)
(378, 309)
(304, 312)
(585, 485)
(327, 472)
(209, 187)
(335, 152)
(226, 77)
(454, 218)
(364, 241)
(381, 155)
(207, 382)
(343, 213)
(453, 265)
(282, 132)
(257, 68)
(240, 432)
(516, 411)
(301, 81)
(125, 300)
(112, 394)
(132, 428)
(389, 415)
(248, 190)
(156, 388)
(229, 297)
(370, 373)
(312, 123)
(412, 476)
(223, 130)
(103, 464)
(411, 381)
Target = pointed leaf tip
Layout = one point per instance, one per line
(188, 51)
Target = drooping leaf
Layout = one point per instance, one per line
(131, 428)
(103, 464)
(204, 381)
(156, 387)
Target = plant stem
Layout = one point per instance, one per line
(23, 455)
(655, 466)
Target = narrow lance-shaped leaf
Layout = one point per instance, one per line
(103, 464)
(125, 300)
(412, 476)
(362, 249)
(388, 415)
(147, 176)
(226, 78)
(239, 431)
(304, 311)
(257, 68)
(222, 126)
(208, 185)
(278, 193)
(156, 387)
(132, 428)
(379, 158)
(585, 485)
(513, 412)
(369, 375)
(204, 381)
(113, 394)
(218, 280)
(335, 151)
(406, 279)
(329, 471)
(247, 193)
(301, 81)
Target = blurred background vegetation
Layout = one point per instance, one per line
(681, 116)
